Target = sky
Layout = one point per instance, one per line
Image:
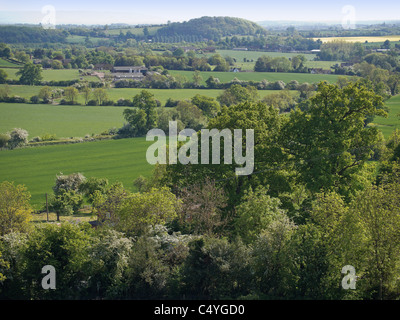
(160, 11)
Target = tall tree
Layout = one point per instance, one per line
(329, 142)
(30, 74)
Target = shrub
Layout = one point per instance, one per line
(49, 137)
(34, 99)
(4, 138)
(92, 103)
(18, 137)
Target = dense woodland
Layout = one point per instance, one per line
(324, 192)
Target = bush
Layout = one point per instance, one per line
(107, 103)
(16, 99)
(4, 138)
(34, 99)
(49, 137)
(18, 138)
(92, 103)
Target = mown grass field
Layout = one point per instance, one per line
(392, 122)
(63, 121)
(36, 168)
(53, 75)
(259, 76)
(247, 59)
(128, 93)
(8, 64)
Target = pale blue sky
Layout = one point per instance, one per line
(160, 11)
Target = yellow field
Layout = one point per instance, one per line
(360, 39)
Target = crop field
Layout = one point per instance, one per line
(63, 121)
(117, 160)
(392, 122)
(392, 38)
(8, 64)
(259, 76)
(74, 39)
(78, 121)
(135, 31)
(53, 75)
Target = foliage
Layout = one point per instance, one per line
(30, 74)
(15, 209)
(18, 138)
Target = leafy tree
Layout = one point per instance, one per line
(144, 116)
(100, 95)
(190, 115)
(66, 248)
(66, 203)
(272, 258)
(216, 268)
(4, 138)
(208, 105)
(237, 94)
(138, 211)
(15, 210)
(108, 270)
(377, 212)
(69, 182)
(3, 76)
(202, 209)
(30, 74)
(197, 78)
(71, 94)
(255, 213)
(329, 141)
(92, 185)
(45, 93)
(87, 93)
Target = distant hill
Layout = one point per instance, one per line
(25, 34)
(212, 28)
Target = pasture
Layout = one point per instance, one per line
(259, 76)
(36, 168)
(392, 122)
(63, 121)
(53, 75)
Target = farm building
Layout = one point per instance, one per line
(130, 72)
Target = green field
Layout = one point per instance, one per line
(8, 64)
(134, 31)
(259, 76)
(127, 93)
(64, 121)
(117, 160)
(73, 39)
(392, 122)
(77, 121)
(53, 75)
(247, 59)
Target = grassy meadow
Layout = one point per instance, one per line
(63, 121)
(259, 76)
(53, 75)
(36, 168)
(392, 122)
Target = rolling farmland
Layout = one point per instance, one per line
(117, 160)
